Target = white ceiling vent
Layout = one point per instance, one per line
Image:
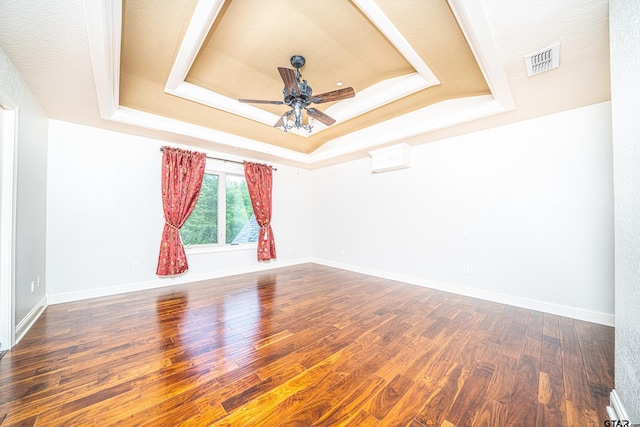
(543, 60)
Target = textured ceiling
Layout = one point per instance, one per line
(474, 49)
(241, 53)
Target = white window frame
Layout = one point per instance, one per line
(222, 170)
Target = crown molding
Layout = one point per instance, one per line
(104, 27)
(367, 100)
(476, 29)
(104, 24)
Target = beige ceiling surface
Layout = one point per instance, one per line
(250, 39)
(69, 54)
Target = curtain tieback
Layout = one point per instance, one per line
(265, 228)
(172, 226)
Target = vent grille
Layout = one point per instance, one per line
(543, 60)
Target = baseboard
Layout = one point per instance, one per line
(169, 281)
(546, 307)
(25, 324)
(616, 411)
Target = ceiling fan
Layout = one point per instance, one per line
(298, 96)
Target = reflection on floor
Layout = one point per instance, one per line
(305, 345)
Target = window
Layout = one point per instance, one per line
(223, 214)
(241, 225)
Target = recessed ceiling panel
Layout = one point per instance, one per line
(250, 39)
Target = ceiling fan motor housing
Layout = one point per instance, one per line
(305, 92)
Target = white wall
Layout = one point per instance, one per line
(625, 93)
(105, 213)
(31, 184)
(535, 198)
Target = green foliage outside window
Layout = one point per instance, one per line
(239, 208)
(201, 228)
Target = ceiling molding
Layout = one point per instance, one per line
(427, 119)
(104, 29)
(203, 18)
(142, 119)
(205, 15)
(380, 20)
(213, 99)
(474, 26)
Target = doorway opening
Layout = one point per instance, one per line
(7, 225)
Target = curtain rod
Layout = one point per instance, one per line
(229, 161)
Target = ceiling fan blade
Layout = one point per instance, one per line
(335, 95)
(282, 119)
(260, 101)
(290, 80)
(320, 116)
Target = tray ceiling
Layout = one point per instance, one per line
(429, 70)
(191, 60)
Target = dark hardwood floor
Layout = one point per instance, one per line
(301, 346)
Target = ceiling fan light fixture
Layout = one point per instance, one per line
(296, 123)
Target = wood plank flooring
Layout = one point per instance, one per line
(302, 346)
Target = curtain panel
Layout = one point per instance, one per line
(182, 174)
(260, 182)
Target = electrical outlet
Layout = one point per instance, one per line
(38, 281)
(134, 266)
(465, 270)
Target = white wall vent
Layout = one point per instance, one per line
(390, 158)
(543, 60)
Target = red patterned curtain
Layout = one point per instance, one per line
(182, 173)
(260, 181)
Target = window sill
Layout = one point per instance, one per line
(206, 249)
